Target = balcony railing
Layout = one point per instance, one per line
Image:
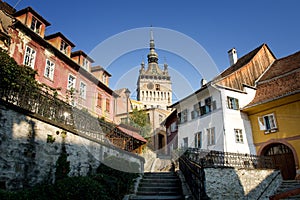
(47, 107)
(192, 163)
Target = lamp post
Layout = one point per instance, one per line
(127, 93)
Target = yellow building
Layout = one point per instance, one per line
(275, 115)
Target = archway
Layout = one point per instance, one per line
(283, 158)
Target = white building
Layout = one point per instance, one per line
(210, 118)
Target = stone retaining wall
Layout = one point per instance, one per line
(231, 183)
(29, 149)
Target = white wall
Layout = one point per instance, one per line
(235, 119)
(224, 120)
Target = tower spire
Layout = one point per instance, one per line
(152, 56)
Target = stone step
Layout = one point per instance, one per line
(160, 174)
(159, 189)
(156, 193)
(289, 185)
(141, 197)
(160, 184)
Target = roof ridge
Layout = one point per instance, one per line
(223, 74)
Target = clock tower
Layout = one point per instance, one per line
(154, 87)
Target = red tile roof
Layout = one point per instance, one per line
(132, 133)
(280, 80)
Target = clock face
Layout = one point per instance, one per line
(150, 86)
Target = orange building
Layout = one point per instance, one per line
(275, 115)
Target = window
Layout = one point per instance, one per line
(85, 63)
(71, 82)
(104, 78)
(107, 105)
(49, 69)
(211, 136)
(64, 47)
(173, 127)
(157, 87)
(238, 136)
(267, 123)
(196, 112)
(124, 120)
(99, 100)
(82, 90)
(29, 58)
(35, 25)
(183, 116)
(209, 105)
(233, 103)
(198, 139)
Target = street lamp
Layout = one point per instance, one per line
(127, 93)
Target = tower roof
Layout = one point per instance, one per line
(152, 56)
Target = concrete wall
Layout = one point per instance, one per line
(26, 158)
(231, 183)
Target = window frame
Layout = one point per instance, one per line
(265, 125)
(198, 139)
(64, 46)
(82, 90)
(239, 137)
(85, 63)
(35, 25)
(69, 87)
(183, 116)
(99, 100)
(29, 57)
(211, 136)
(107, 105)
(233, 103)
(50, 69)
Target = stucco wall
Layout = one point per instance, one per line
(230, 183)
(27, 159)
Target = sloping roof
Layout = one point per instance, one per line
(132, 133)
(59, 34)
(99, 68)
(280, 80)
(29, 9)
(247, 69)
(80, 52)
(240, 62)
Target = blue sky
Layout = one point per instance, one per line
(215, 25)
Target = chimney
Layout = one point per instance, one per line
(203, 82)
(232, 56)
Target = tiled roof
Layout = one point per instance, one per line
(281, 79)
(132, 133)
(283, 66)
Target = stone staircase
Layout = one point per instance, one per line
(289, 189)
(159, 185)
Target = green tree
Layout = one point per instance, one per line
(140, 120)
(14, 76)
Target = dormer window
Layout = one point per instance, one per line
(85, 63)
(64, 47)
(104, 78)
(35, 25)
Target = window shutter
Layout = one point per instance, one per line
(261, 123)
(214, 105)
